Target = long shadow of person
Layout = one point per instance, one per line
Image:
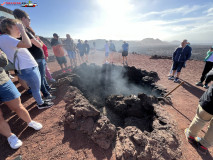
(206, 156)
(192, 89)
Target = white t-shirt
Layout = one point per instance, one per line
(8, 44)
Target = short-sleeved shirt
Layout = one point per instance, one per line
(57, 48)
(106, 48)
(8, 44)
(69, 45)
(36, 52)
(125, 47)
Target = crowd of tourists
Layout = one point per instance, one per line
(23, 52)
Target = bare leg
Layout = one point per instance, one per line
(16, 106)
(65, 64)
(4, 126)
(61, 66)
(173, 72)
(178, 74)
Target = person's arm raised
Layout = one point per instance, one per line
(35, 41)
(25, 42)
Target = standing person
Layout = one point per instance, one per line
(59, 52)
(10, 96)
(36, 51)
(87, 49)
(204, 115)
(47, 70)
(180, 56)
(80, 48)
(209, 78)
(106, 46)
(112, 51)
(207, 68)
(184, 65)
(125, 48)
(71, 50)
(94, 46)
(25, 64)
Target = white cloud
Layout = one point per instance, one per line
(184, 10)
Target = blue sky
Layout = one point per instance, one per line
(123, 19)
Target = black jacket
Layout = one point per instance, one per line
(206, 100)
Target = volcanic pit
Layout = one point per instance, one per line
(118, 107)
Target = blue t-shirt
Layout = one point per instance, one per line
(125, 47)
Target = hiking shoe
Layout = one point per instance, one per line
(190, 139)
(205, 86)
(199, 84)
(46, 104)
(52, 90)
(52, 80)
(50, 97)
(200, 148)
(176, 80)
(171, 78)
(35, 125)
(14, 142)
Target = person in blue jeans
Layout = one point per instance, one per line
(11, 97)
(36, 51)
(24, 63)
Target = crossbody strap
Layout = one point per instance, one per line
(14, 61)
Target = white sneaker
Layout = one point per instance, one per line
(35, 125)
(10, 76)
(14, 142)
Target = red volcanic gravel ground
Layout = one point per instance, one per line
(56, 141)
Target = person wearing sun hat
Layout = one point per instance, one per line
(208, 66)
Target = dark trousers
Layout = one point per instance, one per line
(209, 77)
(207, 68)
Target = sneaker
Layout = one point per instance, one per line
(52, 80)
(10, 76)
(52, 90)
(190, 139)
(199, 84)
(35, 125)
(171, 78)
(126, 63)
(205, 86)
(200, 148)
(176, 80)
(46, 104)
(50, 97)
(14, 142)
(69, 70)
(63, 71)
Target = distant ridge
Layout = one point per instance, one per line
(152, 41)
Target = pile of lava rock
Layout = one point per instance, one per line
(135, 127)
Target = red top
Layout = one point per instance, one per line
(45, 50)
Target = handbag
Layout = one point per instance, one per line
(11, 66)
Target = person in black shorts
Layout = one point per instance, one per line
(125, 48)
